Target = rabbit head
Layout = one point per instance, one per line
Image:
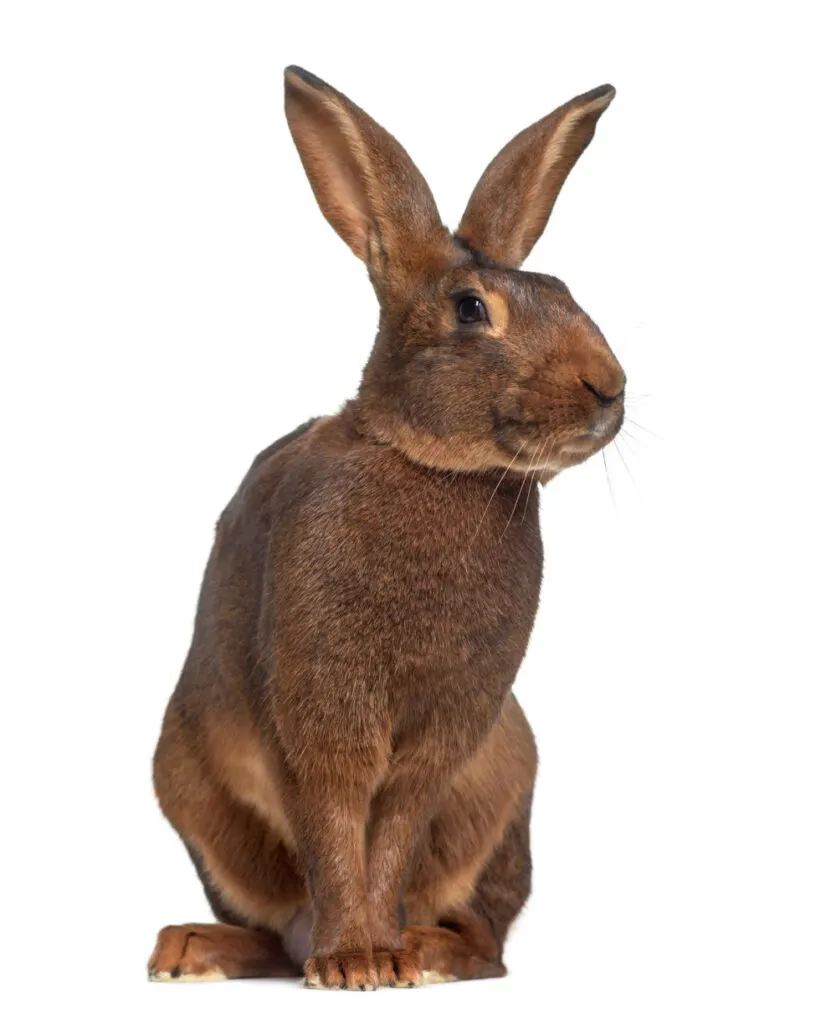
(477, 364)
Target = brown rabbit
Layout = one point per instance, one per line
(343, 756)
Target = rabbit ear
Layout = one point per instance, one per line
(365, 183)
(514, 198)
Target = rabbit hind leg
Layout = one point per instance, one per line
(468, 941)
(213, 952)
(253, 885)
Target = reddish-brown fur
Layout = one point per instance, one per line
(343, 756)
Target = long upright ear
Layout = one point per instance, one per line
(367, 187)
(514, 198)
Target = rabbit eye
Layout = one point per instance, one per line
(471, 310)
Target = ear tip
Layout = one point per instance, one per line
(603, 92)
(294, 71)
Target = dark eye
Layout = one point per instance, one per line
(471, 310)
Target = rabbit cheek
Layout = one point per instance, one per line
(446, 392)
(514, 424)
(433, 384)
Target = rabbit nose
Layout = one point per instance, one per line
(603, 398)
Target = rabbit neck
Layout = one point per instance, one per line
(447, 454)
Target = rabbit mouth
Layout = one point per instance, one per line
(551, 450)
(594, 438)
(538, 444)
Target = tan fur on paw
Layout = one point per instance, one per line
(184, 953)
(436, 977)
(398, 969)
(448, 955)
(213, 974)
(354, 971)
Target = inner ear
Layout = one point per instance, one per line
(333, 165)
(366, 185)
(513, 200)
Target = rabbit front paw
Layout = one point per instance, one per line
(362, 972)
(354, 971)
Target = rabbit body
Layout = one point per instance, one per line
(343, 756)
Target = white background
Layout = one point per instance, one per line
(173, 301)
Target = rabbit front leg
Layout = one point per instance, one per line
(346, 951)
(336, 756)
(333, 850)
(330, 814)
(400, 811)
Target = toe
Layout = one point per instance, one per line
(360, 972)
(314, 978)
(386, 973)
(407, 969)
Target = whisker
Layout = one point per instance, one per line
(609, 482)
(631, 443)
(514, 509)
(625, 433)
(621, 456)
(635, 423)
(493, 494)
(531, 483)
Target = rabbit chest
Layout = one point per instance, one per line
(419, 587)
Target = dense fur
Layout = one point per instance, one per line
(343, 756)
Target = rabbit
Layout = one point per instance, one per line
(343, 756)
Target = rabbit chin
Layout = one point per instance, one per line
(575, 452)
(572, 452)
